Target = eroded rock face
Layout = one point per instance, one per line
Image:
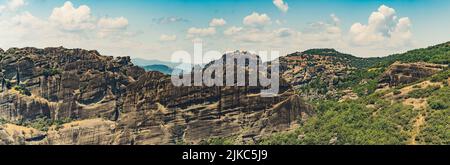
(403, 73)
(14, 134)
(64, 83)
(302, 70)
(192, 114)
(111, 101)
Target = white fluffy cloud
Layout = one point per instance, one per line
(383, 27)
(26, 19)
(113, 23)
(165, 38)
(258, 35)
(232, 30)
(113, 27)
(169, 20)
(24, 29)
(71, 18)
(254, 35)
(281, 5)
(15, 4)
(253, 31)
(285, 32)
(67, 26)
(217, 22)
(257, 20)
(201, 32)
(12, 5)
(323, 31)
(335, 19)
(73, 25)
(402, 33)
(74, 19)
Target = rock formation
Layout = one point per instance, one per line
(403, 73)
(110, 101)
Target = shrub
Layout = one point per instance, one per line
(437, 105)
(366, 88)
(51, 72)
(40, 123)
(58, 123)
(219, 141)
(2, 121)
(351, 123)
(7, 84)
(436, 129)
(22, 90)
(441, 76)
(422, 93)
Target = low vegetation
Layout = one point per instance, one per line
(6, 84)
(439, 54)
(2, 121)
(51, 72)
(22, 90)
(422, 93)
(219, 141)
(353, 122)
(43, 123)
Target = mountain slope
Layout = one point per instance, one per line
(439, 54)
(401, 99)
(351, 60)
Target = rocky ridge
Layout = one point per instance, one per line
(95, 99)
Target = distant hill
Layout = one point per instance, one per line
(143, 62)
(351, 60)
(438, 54)
(160, 68)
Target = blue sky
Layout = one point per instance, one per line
(154, 29)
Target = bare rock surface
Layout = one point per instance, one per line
(107, 100)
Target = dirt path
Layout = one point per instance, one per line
(420, 121)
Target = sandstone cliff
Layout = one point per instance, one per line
(95, 99)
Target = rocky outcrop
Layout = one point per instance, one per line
(111, 101)
(404, 73)
(64, 83)
(316, 74)
(83, 132)
(14, 134)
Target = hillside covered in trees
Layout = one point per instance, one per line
(397, 99)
